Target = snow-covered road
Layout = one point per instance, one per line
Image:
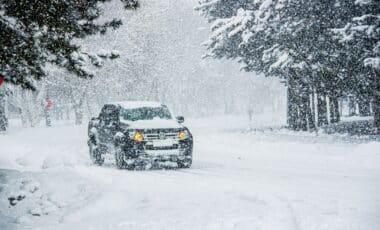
(262, 179)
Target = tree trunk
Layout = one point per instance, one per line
(364, 107)
(22, 104)
(26, 108)
(78, 112)
(334, 109)
(376, 100)
(313, 108)
(303, 115)
(35, 108)
(77, 101)
(306, 116)
(89, 109)
(322, 110)
(78, 115)
(47, 117)
(3, 118)
(300, 115)
(292, 113)
(351, 106)
(67, 112)
(310, 112)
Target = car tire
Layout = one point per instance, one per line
(96, 152)
(119, 158)
(185, 163)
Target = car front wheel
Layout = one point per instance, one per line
(185, 163)
(96, 153)
(120, 156)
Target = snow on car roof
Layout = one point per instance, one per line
(137, 104)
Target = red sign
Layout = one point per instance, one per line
(48, 103)
(1, 79)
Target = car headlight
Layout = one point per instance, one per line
(183, 134)
(138, 136)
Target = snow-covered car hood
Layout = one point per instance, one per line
(153, 124)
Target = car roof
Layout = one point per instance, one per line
(137, 104)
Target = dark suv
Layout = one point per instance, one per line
(140, 135)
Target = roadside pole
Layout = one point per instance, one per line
(47, 104)
(3, 118)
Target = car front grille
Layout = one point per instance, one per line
(160, 136)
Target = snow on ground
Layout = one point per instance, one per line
(242, 178)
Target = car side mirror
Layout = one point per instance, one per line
(180, 119)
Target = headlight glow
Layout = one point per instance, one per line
(182, 135)
(138, 136)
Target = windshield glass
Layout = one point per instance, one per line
(145, 113)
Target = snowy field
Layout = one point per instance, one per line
(242, 178)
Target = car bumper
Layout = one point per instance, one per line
(157, 160)
(140, 154)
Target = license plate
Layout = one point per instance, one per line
(162, 143)
(162, 153)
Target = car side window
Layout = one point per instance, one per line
(109, 114)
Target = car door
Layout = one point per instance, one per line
(109, 123)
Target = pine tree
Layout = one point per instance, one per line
(294, 40)
(280, 38)
(216, 9)
(362, 37)
(35, 32)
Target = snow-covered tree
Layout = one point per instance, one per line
(293, 40)
(259, 39)
(33, 32)
(362, 36)
(216, 9)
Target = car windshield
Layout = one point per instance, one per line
(145, 113)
